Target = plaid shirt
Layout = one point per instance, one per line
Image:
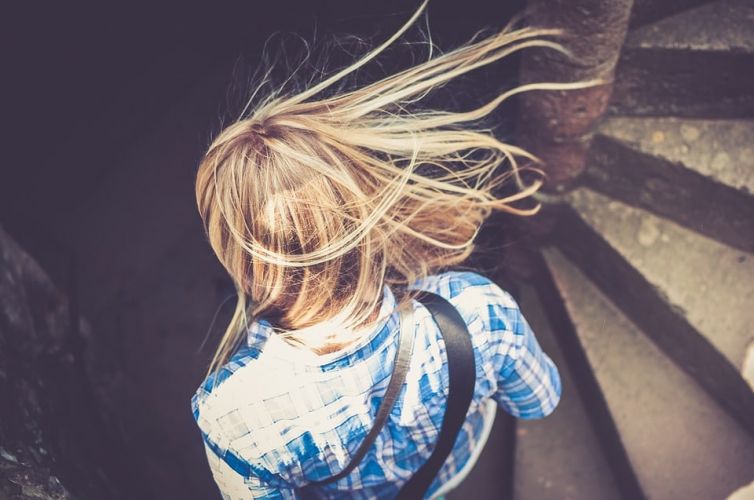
(280, 416)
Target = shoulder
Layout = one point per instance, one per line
(493, 316)
(473, 294)
(226, 410)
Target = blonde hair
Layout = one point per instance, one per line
(313, 205)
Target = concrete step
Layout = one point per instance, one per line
(675, 440)
(692, 295)
(700, 173)
(559, 457)
(650, 11)
(492, 475)
(699, 63)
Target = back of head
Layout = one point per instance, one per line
(312, 205)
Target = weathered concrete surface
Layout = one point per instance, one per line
(492, 475)
(687, 292)
(51, 429)
(650, 11)
(697, 63)
(709, 283)
(697, 172)
(679, 442)
(559, 456)
(557, 125)
(722, 26)
(721, 150)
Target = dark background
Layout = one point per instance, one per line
(107, 110)
(85, 81)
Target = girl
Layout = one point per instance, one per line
(331, 214)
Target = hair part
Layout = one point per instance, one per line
(313, 204)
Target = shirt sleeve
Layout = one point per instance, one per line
(234, 486)
(529, 384)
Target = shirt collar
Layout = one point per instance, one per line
(261, 336)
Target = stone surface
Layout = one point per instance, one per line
(699, 173)
(709, 283)
(721, 150)
(650, 11)
(725, 25)
(492, 475)
(679, 442)
(51, 428)
(623, 268)
(559, 456)
(697, 63)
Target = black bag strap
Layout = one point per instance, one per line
(462, 378)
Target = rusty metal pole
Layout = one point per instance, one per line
(557, 126)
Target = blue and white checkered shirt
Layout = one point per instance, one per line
(281, 417)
